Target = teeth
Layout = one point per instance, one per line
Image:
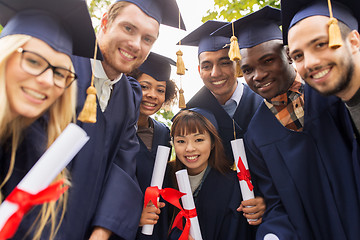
(265, 85)
(127, 55)
(34, 94)
(149, 104)
(219, 82)
(321, 74)
(192, 158)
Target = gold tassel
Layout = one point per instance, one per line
(335, 40)
(238, 71)
(182, 104)
(88, 113)
(234, 52)
(180, 66)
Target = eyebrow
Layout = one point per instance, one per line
(307, 44)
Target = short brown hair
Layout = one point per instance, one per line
(114, 10)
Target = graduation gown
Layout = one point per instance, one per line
(309, 179)
(216, 205)
(245, 110)
(145, 160)
(106, 165)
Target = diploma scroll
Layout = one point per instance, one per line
(51, 163)
(162, 156)
(238, 149)
(188, 201)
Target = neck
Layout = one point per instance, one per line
(222, 99)
(110, 71)
(143, 120)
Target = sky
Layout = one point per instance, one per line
(192, 11)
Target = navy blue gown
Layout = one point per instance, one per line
(106, 165)
(216, 205)
(247, 107)
(309, 179)
(145, 160)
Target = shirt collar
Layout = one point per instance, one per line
(99, 71)
(296, 87)
(237, 94)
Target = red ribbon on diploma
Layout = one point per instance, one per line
(168, 194)
(187, 214)
(244, 174)
(25, 202)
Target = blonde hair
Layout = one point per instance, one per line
(61, 113)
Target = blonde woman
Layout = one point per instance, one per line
(37, 93)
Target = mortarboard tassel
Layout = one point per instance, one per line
(182, 104)
(234, 52)
(335, 40)
(88, 113)
(180, 66)
(238, 71)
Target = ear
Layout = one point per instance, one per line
(104, 21)
(199, 68)
(287, 53)
(354, 40)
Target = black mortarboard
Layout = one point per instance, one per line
(295, 10)
(157, 66)
(255, 28)
(205, 113)
(64, 24)
(163, 11)
(201, 37)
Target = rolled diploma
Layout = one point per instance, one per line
(157, 179)
(56, 157)
(238, 149)
(188, 201)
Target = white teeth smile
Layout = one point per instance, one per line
(321, 74)
(219, 82)
(192, 157)
(265, 85)
(34, 94)
(149, 104)
(126, 54)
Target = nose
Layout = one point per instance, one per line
(190, 147)
(135, 43)
(151, 93)
(311, 61)
(216, 71)
(46, 78)
(259, 74)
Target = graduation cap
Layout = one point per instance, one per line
(163, 11)
(255, 28)
(157, 66)
(294, 11)
(208, 115)
(201, 37)
(64, 24)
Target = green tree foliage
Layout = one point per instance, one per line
(230, 10)
(97, 8)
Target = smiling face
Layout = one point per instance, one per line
(153, 94)
(193, 150)
(218, 74)
(29, 95)
(267, 69)
(329, 71)
(127, 40)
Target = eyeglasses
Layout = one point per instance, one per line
(35, 64)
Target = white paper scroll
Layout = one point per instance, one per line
(51, 163)
(238, 149)
(162, 156)
(188, 201)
